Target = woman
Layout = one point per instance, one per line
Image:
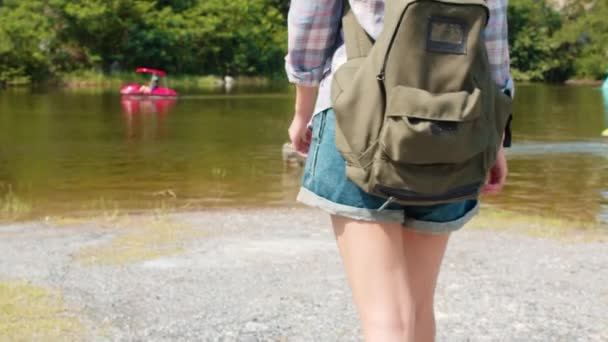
(391, 257)
(148, 89)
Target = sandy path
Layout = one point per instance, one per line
(272, 275)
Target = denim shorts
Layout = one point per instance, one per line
(325, 186)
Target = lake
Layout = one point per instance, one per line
(71, 152)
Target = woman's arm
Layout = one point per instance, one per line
(313, 28)
(497, 45)
(496, 37)
(299, 134)
(497, 42)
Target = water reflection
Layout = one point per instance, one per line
(137, 104)
(558, 165)
(145, 115)
(557, 184)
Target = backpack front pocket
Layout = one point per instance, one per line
(423, 128)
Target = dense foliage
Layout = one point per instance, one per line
(552, 45)
(41, 39)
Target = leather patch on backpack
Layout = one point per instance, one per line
(447, 35)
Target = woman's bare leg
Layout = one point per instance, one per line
(373, 257)
(423, 255)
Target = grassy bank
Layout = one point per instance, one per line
(31, 313)
(584, 82)
(538, 226)
(163, 230)
(12, 207)
(93, 79)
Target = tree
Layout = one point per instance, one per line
(25, 37)
(586, 37)
(193, 36)
(534, 54)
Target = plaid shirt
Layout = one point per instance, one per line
(314, 26)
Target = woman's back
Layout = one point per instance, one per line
(316, 48)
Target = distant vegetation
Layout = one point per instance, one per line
(61, 39)
(40, 40)
(551, 45)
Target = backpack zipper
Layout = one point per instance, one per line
(406, 195)
(382, 75)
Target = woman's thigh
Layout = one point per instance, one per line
(391, 270)
(375, 265)
(423, 254)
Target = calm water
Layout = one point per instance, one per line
(68, 152)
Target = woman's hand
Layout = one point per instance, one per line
(300, 135)
(497, 176)
(299, 132)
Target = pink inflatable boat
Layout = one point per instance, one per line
(151, 89)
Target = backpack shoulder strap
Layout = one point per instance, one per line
(358, 42)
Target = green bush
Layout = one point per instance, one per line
(586, 37)
(39, 39)
(24, 41)
(535, 56)
(551, 45)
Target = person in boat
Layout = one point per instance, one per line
(147, 89)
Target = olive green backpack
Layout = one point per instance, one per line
(419, 118)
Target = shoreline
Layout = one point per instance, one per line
(489, 219)
(594, 83)
(275, 275)
(92, 79)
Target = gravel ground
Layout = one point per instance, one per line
(275, 275)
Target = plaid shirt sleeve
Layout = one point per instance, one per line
(497, 44)
(313, 29)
